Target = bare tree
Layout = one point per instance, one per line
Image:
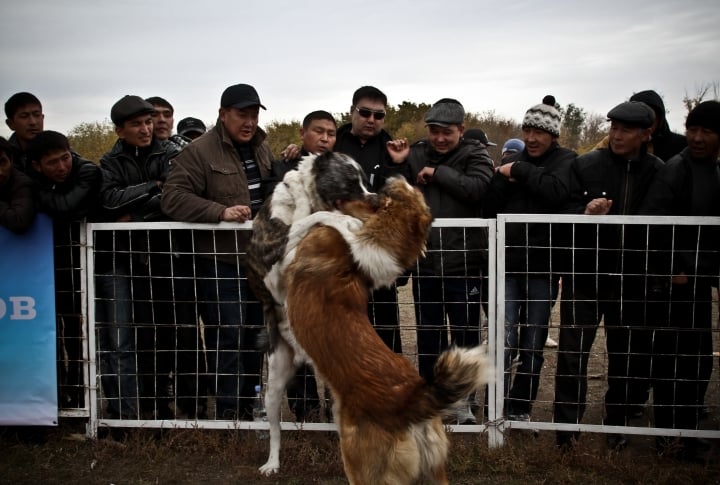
(701, 92)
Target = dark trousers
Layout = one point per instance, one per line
(231, 326)
(682, 354)
(436, 298)
(384, 315)
(584, 302)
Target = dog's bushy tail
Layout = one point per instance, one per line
(457, 373)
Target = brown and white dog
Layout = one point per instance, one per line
(388, 417)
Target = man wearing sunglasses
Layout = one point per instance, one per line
(366, 141)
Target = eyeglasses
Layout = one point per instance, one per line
(367, 113)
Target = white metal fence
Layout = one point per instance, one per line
(177, 372)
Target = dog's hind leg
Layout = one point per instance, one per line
(280, 370)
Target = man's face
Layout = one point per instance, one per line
(444, 139)
(55, 165)
(6, 166)
(241, 124)
(27, 122)
(364, 118)
(537, 141)
(319, 137)
(163, 122)
(626, 140)
(136, 131)
(703, 144)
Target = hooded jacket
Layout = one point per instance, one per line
(462, 176)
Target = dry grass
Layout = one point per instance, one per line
(218, 457)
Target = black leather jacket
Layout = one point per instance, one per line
(130, 180)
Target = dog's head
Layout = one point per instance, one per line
(339, 179)
(403, 207)
(398, 195)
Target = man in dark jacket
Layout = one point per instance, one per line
(453, 174)
(664, 143)
(535, 180)
(17, 207)
(25, 118)
(67, 188)
(317, 134)
(365, 140)
(134, 172)
(219, 177)
(607, 278)
(686, 267)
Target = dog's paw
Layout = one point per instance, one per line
(269, 468)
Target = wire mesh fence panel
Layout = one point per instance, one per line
(598, 333)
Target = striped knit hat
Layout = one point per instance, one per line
(543, 117)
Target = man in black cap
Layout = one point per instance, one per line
(607, 276)
(191, 128)
(133, 173)
(219, 177)
(688, 260)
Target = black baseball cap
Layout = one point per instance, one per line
(240, 96)
(188, 125)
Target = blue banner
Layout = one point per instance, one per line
(28, 381)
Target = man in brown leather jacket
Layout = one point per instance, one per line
(219, 178)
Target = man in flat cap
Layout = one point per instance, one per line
(688, 185)
(218, 177)
(133, 174)
(606, 279)
(453, 173)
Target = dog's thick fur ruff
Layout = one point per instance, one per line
(324, 182)
(388, 417)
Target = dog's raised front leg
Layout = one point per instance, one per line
(280, 370)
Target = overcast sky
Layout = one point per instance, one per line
(80, 56)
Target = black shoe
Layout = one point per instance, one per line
(616, 441)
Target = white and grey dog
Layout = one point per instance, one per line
(329, 183)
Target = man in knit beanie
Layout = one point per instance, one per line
(540, 121)
(536, 179)
(687, 185)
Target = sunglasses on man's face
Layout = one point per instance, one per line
(367, 113)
